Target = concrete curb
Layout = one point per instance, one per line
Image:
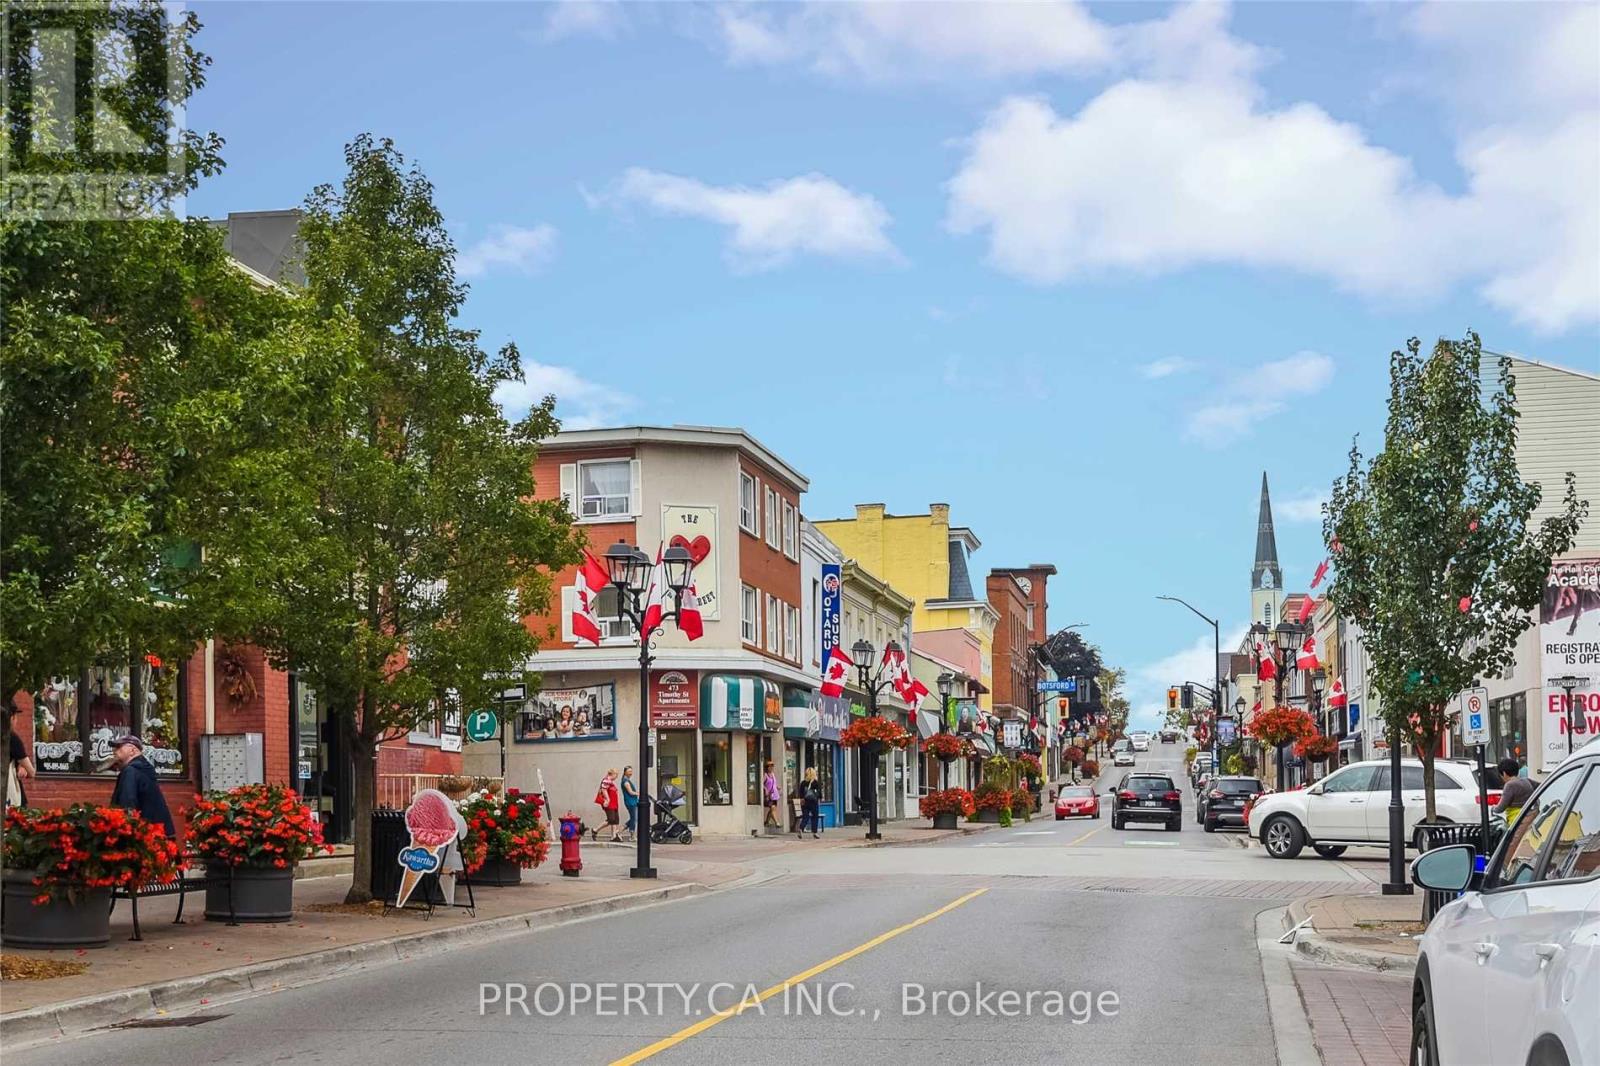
(1291, 1029)
(55, 1021)
(960, 831)
(1315, 946)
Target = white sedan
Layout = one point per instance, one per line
(1351, 806)
(1510, 971)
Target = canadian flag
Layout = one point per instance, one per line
(1306, 608)
(652, 597)
(1307, 659)
(1268, 668)
(1322, 572)
(1336, 696)
(834, 673)
(690, 624)
(592, 580)
(910, 689)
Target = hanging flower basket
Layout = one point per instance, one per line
(945, 746)
(1277, 726)
(869, 730)
(1073, 755)
(1032, 769)
(1317, 749)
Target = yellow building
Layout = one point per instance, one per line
(924, 557)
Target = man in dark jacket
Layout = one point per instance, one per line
(137, 789)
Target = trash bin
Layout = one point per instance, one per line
(1443, 836)
(389, 836)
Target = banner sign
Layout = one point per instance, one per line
(674, 699)
(694, 529)
(1569, 646)
(1013, 733)
(828, 611)
(1226, 731)
(564, 714)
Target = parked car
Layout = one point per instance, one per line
(1200, 766)
(1504, 971)
(1077, 801)
(1147, 798)
(1351, 806)
(1141, 740)
(1224, 799)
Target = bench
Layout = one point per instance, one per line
(187, 881)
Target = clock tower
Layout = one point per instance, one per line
(1266, 577)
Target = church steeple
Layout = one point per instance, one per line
(1266, 574)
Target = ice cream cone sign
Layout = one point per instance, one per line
(431, 819)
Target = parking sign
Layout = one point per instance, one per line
(1475, 716)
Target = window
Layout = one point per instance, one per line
(791, 632)
(76, 718)
(747, 504)
(608, 611)
(1575, 854)
(791, 529)
(604, 488)
(773, 622)
(1269, 613)
(1410, 779)
(1355, 779)
(1534, 825)
(757, 753)
(749, 615)
(716, 769)
(772, 518)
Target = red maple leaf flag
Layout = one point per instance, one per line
(1307, 659)
(1267, 668)
(834, 673)
(1306, 608)
(591, 581)
(1322, 572)
(1336, 695)
(690, 624)
(654, 611)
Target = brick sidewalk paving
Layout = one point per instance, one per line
(1358, 1018)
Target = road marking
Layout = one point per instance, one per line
(1034, 833)
(805, 975)
(1149, 843)
(1085, 836)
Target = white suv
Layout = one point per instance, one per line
(1351, 806)
(1141, 740)
(1510, 971)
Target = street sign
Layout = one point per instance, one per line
(1067, 684)
(482, 725)
(1475, 716)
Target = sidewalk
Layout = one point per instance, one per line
(1375, 931)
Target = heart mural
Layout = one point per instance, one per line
(698, 548)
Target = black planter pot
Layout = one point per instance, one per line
(81, 922)
(497, 873)
(260, 894)
(944, 820)
(989, 815)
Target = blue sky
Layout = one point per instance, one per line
(1083, 272)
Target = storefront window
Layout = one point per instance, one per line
(716, 769)
(76, 719)
(822, 760)
(56, 745)
(158, 721)
(1508, 718)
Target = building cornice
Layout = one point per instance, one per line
(689, 436)
(624, 658)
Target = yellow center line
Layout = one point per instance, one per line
(805, 975)
(1086, 836)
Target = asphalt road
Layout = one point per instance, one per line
(880, 943)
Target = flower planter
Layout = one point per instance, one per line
(944, 820)
(989, 815)
(872, 747)
(81, 922)
(497, 873)
(260, 894)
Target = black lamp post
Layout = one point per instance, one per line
(1216, 667)
(946, 682)
(1284, 643)
(631, 572)
(871, 684)
(1319, 681)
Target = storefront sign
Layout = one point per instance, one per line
(569, 714)
(828, 610)
(675, 699)
(695, 530)
(1355, 718)
(833, 715)
(1569, 644)
(1013, 733)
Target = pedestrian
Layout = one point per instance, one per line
(137, 789)
(609, 799)
(630, 800)
(1516, 790)
(769, 796)
(811, 803)
(20, 768)
(1492, 779)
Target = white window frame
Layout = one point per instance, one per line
(614, 629)
(790, 530)
(791, 633)
(749, 615)
(748, 520)
(773, 624)
(582, 500)
(772, 517)
(816, 618)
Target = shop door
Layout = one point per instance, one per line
(675, 764)
(322, 771)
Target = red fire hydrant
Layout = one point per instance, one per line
(571, 834)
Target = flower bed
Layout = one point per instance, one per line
(254, 825)
(503, 827)
(948, 801)
(868, 729)
(86, 847)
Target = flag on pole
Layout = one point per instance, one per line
(1268, 668)
(592, 579)
(1336, 696)
(834, 673)
(1307, 659)
(1306, 608)
(690, 624)
(652, 597)
(1322, 572)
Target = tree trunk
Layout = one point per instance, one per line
(364, 779)
(1427, 782)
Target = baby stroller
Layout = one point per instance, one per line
(668, 826)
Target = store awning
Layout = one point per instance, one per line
(983, 743)
(927, 723)
(800, 716)
(732, 701)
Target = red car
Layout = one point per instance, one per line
(1075, 801)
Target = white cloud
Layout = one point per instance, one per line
(1148, 684)
(1255, 395)
(520, 249)
(584, 18)
(894, 41)
(580, 403)
(1307, 507)
(1184, 166)
(1164, 368)
(810, 214)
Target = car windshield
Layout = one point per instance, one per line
(1150, 784)
(1077, 793)
(1239, 786)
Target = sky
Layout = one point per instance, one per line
(1083, 272)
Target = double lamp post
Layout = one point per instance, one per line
(871, 684)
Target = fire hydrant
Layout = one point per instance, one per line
(571, 834)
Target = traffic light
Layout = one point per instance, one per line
(1188, 696)
(1172, 699)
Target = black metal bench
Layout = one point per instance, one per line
(180, 887)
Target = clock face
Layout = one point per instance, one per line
(1266, 578)
(1025, 585)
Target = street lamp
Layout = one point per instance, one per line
(630, 570)
(1570, 683)
(1285, 641)
(872, 684)
(1216, 667)
(1319, 681)
(946, 682)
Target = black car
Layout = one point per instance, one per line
(1223, 801)
(1147, 798)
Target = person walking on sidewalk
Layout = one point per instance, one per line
(1516, 790)
(609, 799)
(136, 788)
(811, 803)
(769, 796)
(630, 800)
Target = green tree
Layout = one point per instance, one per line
(1436, 557)
(428, 548)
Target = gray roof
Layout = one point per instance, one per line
(960, 580)
(1266, 542)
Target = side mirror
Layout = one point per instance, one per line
(1314, 790)
(1444, 869)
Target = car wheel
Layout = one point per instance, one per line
(1282, 837)
(1116, 823)
(1176, 825)
(1211, 827)
(1328, 851)
(1096, 816)
(1423, 1050)
(1061, 817)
